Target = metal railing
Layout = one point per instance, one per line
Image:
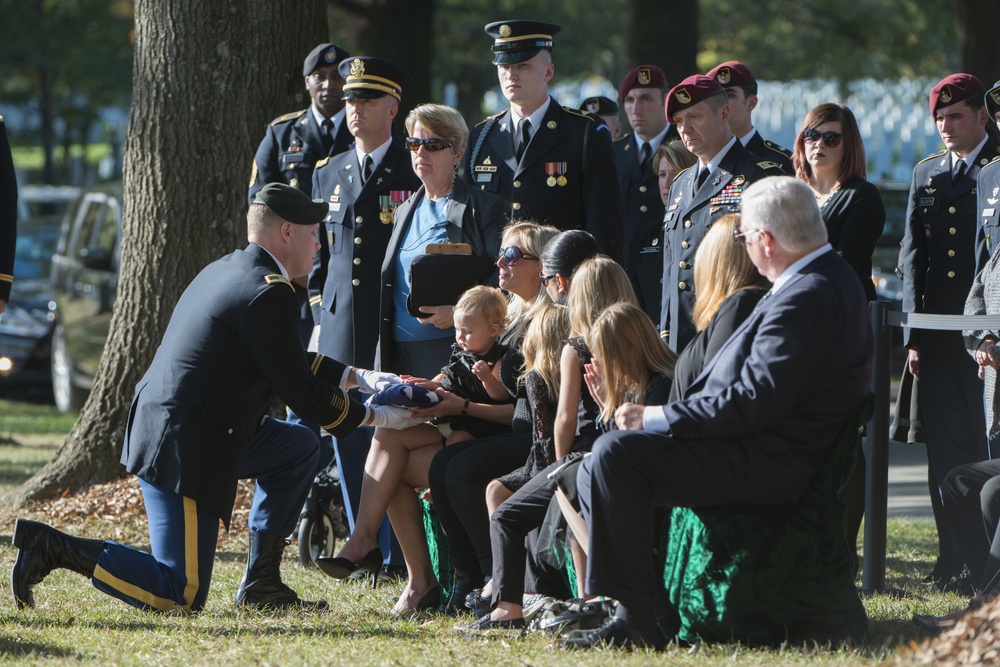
(883, 318)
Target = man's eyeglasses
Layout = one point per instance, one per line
(831, 139)
(511, 255)
(743, 237)
(546, 279)
(433, 145)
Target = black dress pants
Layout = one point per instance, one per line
(971, 498)
(458, 477)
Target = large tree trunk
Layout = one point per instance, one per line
(975, 26)
(207, 78)
(664, 33)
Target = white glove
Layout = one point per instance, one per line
(389, 416)
(373, 381)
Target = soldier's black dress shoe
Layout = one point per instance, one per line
(615, 633)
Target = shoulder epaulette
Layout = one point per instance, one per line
(933, 156)
(996, 159)
(624, 137)
(274, 278)
(288, 116)
(488, 118)
(581, 114)
(322, 163)
(681, 172)
(778, 149)
(768, 165)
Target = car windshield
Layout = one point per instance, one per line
(33, 253)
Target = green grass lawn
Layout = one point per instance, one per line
(75, 623)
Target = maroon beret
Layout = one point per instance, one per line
(643, 76)
(689, 92)
(731, 73)
(955, 88)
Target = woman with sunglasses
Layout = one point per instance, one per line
(830, 157)
(443, 210)
(398, 461)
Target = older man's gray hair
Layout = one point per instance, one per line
(786, 208)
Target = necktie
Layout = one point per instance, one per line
(644, 155)
(328, 134)
(959, 172)
(366, 169)
(702, 177)
(525, 138)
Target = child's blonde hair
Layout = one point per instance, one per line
(489, 302)
(543, 341)
(597, 283)
(630, 353)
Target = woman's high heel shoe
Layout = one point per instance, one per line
(341, 568)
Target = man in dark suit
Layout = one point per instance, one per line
(197, 425)
(988, 192)
(642, 92)
(741, 88)
(554, 164)
(752, 428)
(362, 188)
(8, 217)
(939, 263)
(698, 106)
(295, 142)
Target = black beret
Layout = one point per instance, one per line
(993, 100)
(292, 204)
(323, 55)
(371, 78)
(516, 41)
(601, 106)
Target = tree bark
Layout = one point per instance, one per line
(976, 34)
(207, 78)
(664, 33)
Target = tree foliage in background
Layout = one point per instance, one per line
(63, 60)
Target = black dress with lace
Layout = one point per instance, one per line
(543, 447)
(461, 381)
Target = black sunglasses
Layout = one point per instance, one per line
(433, 145)
(831, 139)
(511, 255)
(545, 279)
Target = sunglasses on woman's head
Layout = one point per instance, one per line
(433, 145)
(831, 139)
(511, 255)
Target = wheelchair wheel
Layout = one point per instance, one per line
(316, 538)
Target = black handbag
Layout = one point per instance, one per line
(439, 279)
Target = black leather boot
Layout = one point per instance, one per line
(462, 584)
(41, 549)
(261, 585)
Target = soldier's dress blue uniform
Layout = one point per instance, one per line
(197, 425)
(939, 263)
(292, 146)
(8, 214)
(988, 207)
(563, 177)
(345, 285)
(643, 225)
(688, 216)
(771, 152)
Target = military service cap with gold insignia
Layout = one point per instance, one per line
(953, 89)
(516, 41)
(371, 78)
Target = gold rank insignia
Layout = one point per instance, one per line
(551, 125)
(683, 96)
(357, 67)
(723, 76)
(945, 95)
(505, 30)
(643, 76)
(274, 278)
(487, 160)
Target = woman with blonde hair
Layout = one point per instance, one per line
(727, 287)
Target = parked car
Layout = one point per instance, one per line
(26, 324)
(84, 282)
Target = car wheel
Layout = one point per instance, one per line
(67, 395)
(316, 538)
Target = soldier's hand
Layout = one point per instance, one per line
(373, 381)
(389, 416)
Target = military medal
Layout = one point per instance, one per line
(550, 169)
